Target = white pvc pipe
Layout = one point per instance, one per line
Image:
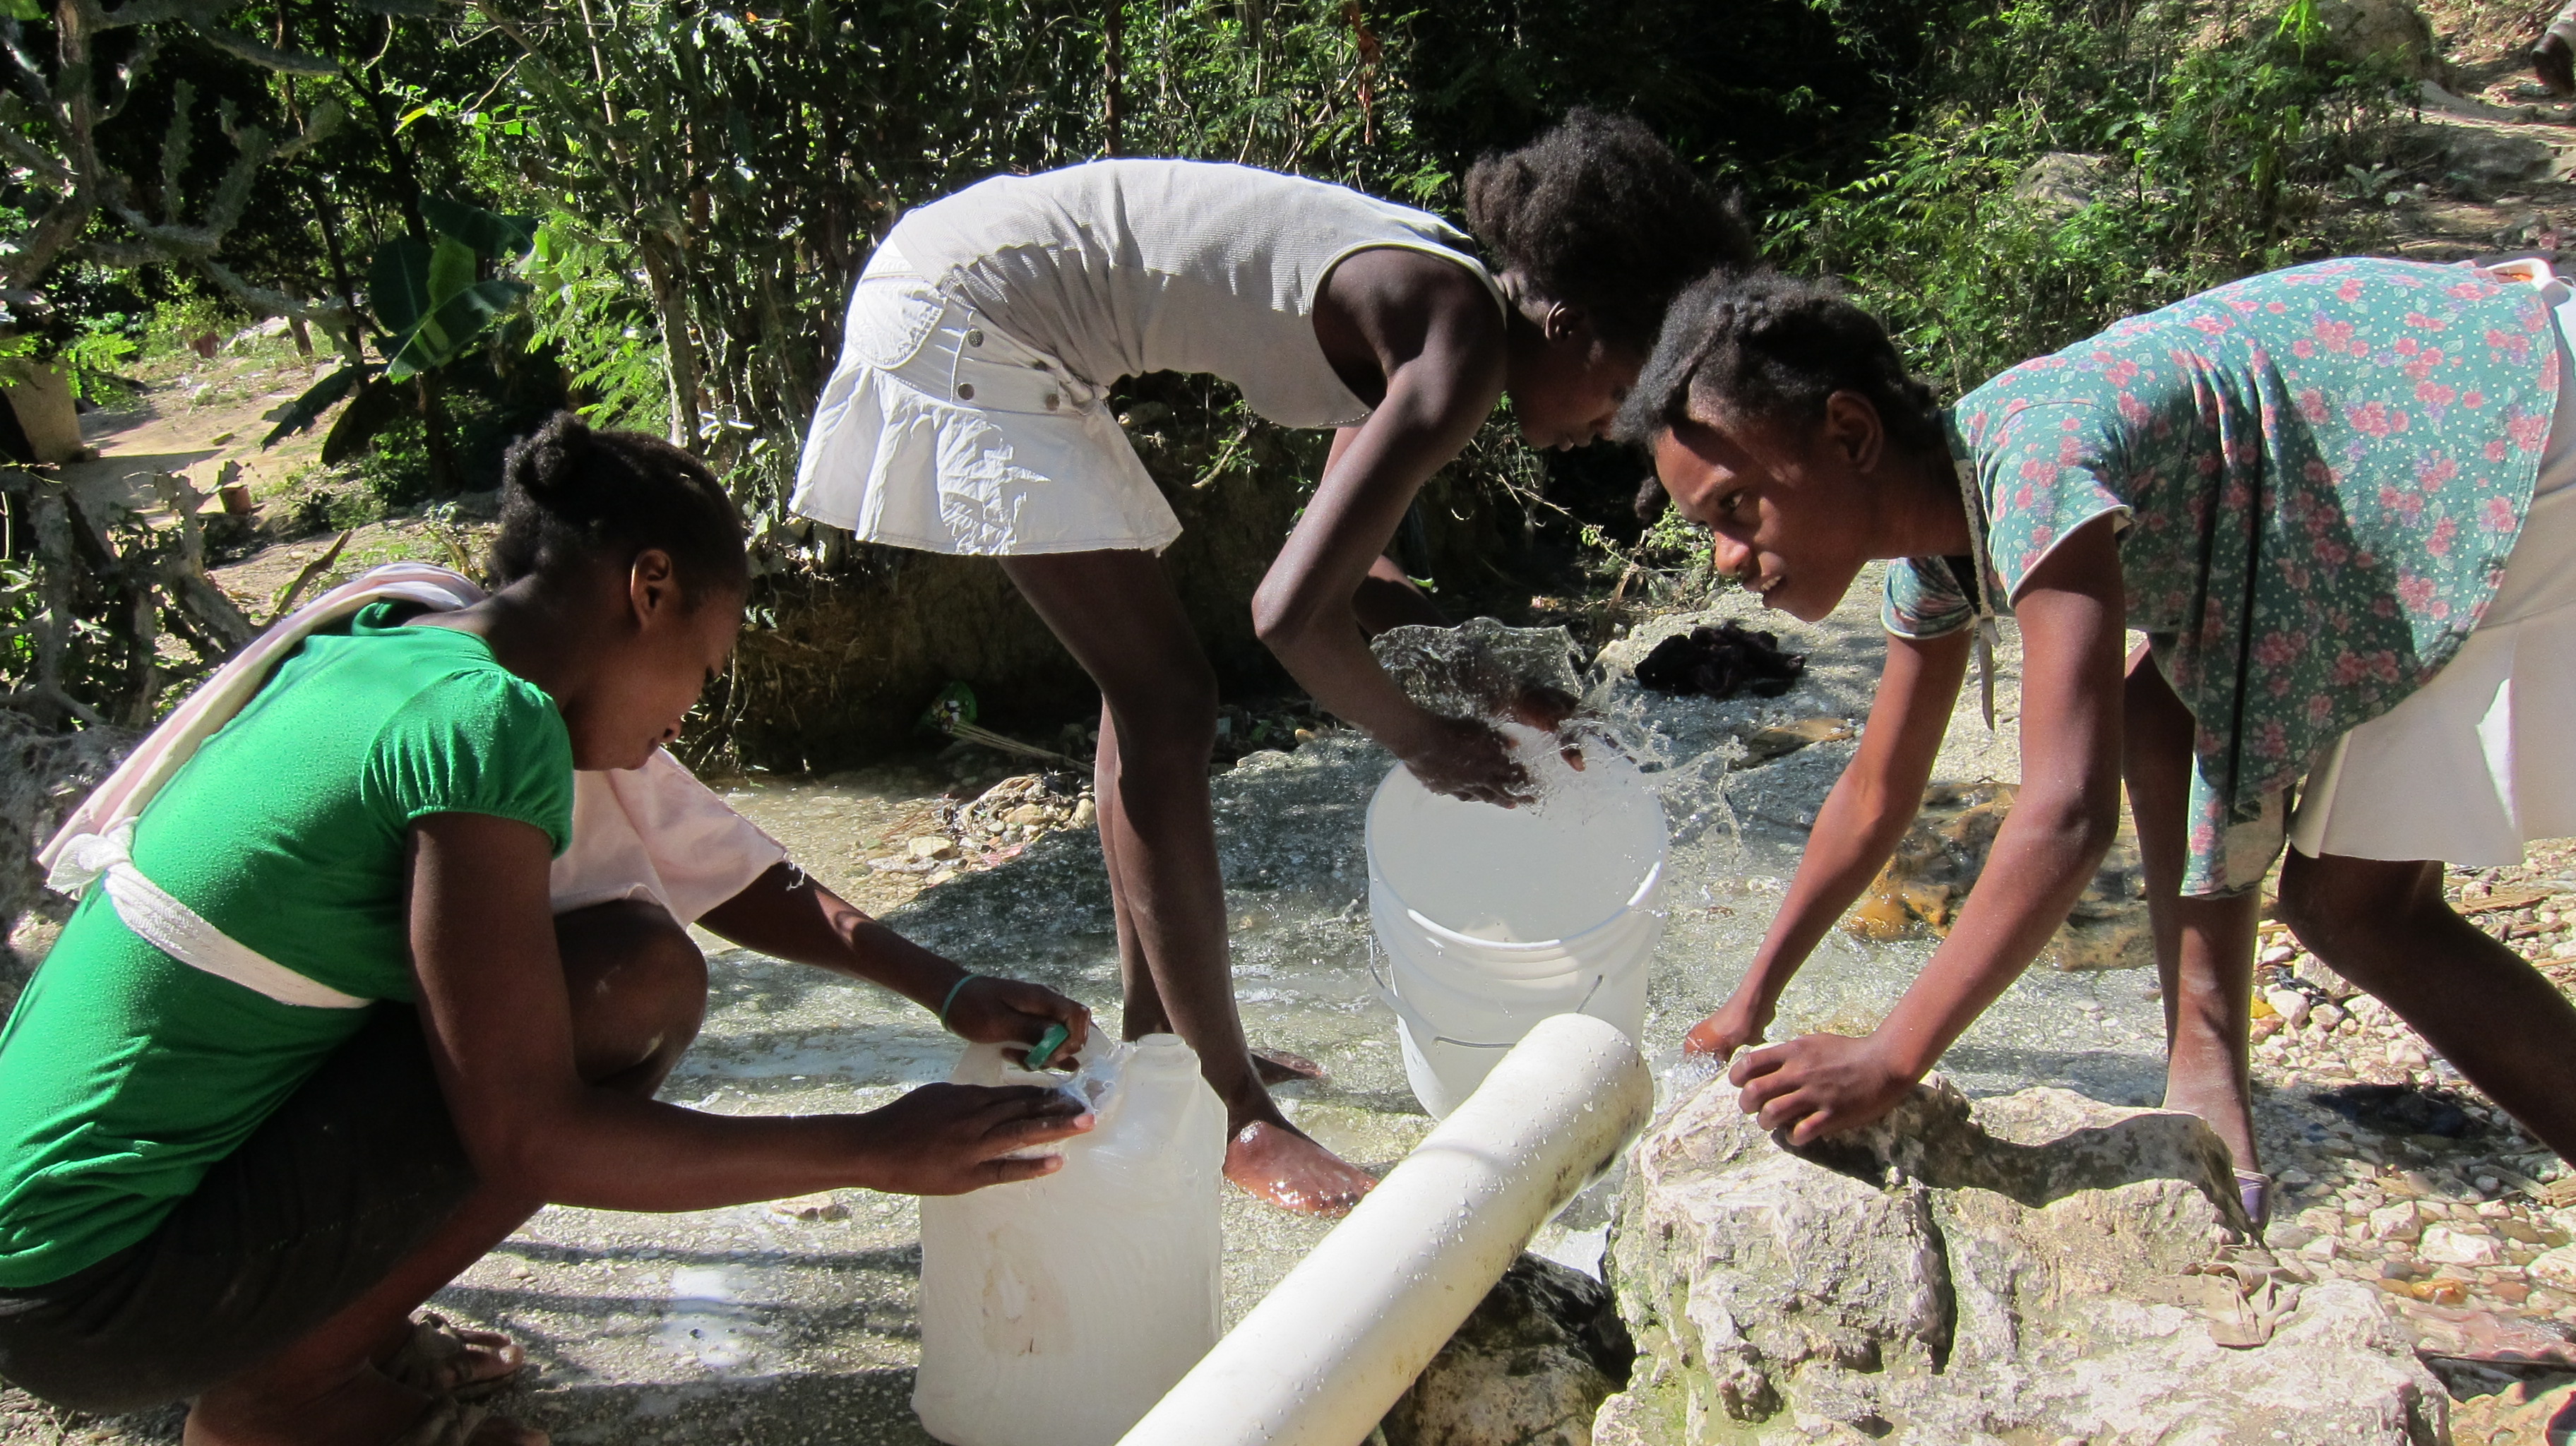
(1332, 1346)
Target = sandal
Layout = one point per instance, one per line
(2254, 1192)
(435, 1358)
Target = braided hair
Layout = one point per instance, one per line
(1600, 214)
(1771, 346)
(569, 494)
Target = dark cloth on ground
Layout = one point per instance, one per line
(1721, 661)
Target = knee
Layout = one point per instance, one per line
(1173, 716)
(2330, 910)
(638, 987)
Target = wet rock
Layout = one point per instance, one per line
(2034, 1267)
(2444, 1245)
(1530, 1367)
(1927, 879)
(1779, 740)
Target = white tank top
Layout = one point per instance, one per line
(1118, 268)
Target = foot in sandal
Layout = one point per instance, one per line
(442, 1358)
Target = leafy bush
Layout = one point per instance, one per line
(2081, 160)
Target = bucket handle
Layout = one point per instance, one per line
(1422, 1029)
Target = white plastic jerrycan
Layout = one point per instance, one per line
(1057, 1311)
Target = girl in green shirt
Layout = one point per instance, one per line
(317, 1042)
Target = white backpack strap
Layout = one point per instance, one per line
(179, 931)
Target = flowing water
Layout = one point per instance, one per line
(757, 1324)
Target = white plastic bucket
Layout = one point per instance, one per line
(1492, 919)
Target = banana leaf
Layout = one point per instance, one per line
(488, 233)
(318, 398)
(398, 284)
(442, 337)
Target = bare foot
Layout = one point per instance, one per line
(1278, 1067)
(1277, 1162)
(364, 1408)
(2555, 65)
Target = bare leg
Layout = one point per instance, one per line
(2204, 947)
(1116, 613)
(2385, 927)
(638, 989)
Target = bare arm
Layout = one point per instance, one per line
(1439, 341)
(500, 1028)
(2071, 612)
(1859, 826)
(787, 915)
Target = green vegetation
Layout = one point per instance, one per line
(653, 209)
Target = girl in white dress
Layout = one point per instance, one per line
(967, 416)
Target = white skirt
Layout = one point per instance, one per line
(2481, 760)
(941, 433)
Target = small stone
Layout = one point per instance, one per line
(2557, 1267)
(2323, 1248)
(2321, 1220)
(2511, 1292)
(2406, 1056)
(2400, 1221)
(815, 1207)
(2293, 1005)
(2445, 1245)
(2288, 1237)
(2327, 1017)
(1085, 813)
(932, 846)
(2311, 970)
(1028, 814)
(2439, 1292)
(2279, 954)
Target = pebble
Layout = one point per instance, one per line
(2293, 1005)
(2556, 1267)
(932, 846)
(2400, 1221)
(2448, 1245)
(2327, 1017)
(1085, 813)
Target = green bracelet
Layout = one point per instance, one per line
(953, 991)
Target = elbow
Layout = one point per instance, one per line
(1279, 619)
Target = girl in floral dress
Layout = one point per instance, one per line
(2336, 501)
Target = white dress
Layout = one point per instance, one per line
(966, 414)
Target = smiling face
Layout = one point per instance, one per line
(1791, 511)
(668, 647)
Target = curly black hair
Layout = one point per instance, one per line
(1768, 345)
(569, 494)
(1599, 213)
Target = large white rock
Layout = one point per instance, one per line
(2022, 1269)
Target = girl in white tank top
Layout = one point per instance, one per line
(966, 416)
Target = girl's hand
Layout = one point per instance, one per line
(1467, 759)
(1013, 1011)
(947, 1139)
(1818, 1085)
(1735, 1024)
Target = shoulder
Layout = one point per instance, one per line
(1410, 301)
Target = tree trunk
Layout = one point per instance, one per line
(680, 354)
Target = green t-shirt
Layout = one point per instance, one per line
(125, 1074)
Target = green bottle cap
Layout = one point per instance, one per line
(1047, 1045)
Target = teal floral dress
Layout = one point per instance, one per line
(2317, 473)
